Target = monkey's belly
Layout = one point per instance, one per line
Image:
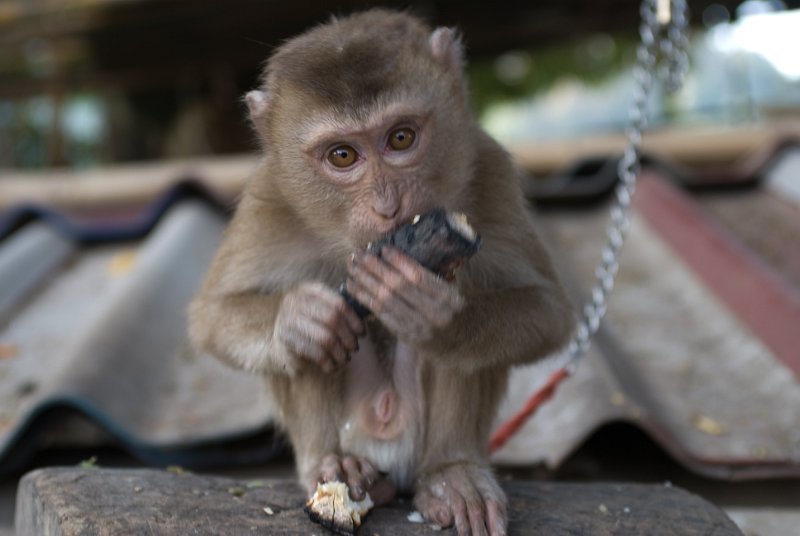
(380, 422)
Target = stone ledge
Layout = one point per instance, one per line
(77, 501)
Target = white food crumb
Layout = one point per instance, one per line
(268, 511)
(415, 517)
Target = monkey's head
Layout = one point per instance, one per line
(365, 122)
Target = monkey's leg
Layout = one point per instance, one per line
(312, 406)
(455, 485)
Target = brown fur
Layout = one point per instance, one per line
(288, 248)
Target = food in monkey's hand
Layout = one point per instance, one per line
(440, 241)
(332, 507)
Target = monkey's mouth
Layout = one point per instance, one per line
(439, 240)
(448, 271)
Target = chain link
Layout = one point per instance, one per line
(672, 41)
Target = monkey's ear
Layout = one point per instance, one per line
(257, 103)
(446, 47)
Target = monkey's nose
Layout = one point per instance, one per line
(386, 206)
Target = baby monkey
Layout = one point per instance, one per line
(365, 123)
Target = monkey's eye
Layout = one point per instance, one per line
(401, 139)
(342, 156)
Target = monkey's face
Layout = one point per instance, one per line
(378, 170)
(365, 124)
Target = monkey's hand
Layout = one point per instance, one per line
(315, 324)
(411, 301)
(465, 495)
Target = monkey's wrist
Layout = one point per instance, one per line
(286, 362)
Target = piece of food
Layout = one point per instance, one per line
(440, 241)
(332, 507)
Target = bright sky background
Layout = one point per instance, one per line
(737, 70)
(775, 36)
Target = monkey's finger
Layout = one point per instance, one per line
(495, 518)
(348, 326)
(411, 269)
(420, 277)
(477, 519)
(397, 282)
(331, 469)
(473, 502)
(393, 311)
(434, 510)
(333, 319)
(323, 304)
(333, 302)
(354, 478)
(355, 324)
(374, 272)
(382, 284)
(365, 288)
(459, 508)
(329, 340)
(371, 474)
(427, 290)
(312, 340)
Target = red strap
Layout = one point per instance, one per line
(510, 427)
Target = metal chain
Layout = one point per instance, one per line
(673, 45)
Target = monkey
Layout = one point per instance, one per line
(364, 122)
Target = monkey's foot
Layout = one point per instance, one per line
(331, 507)
(360, 476)
(465, 495)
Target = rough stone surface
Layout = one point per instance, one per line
(93, 501)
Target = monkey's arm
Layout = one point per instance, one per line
(243, 315)
(238, 328)
(515, 308)
(276, 332)
(507, 308)
(503, 327)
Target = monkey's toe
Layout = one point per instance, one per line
(466, 496)
(360, 476)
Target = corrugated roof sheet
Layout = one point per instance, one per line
(92, 322)
(95, 325)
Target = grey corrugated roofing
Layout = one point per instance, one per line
(672, 359)
(104, 335)
(92, 322)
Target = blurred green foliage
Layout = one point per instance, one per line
(524, 73)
